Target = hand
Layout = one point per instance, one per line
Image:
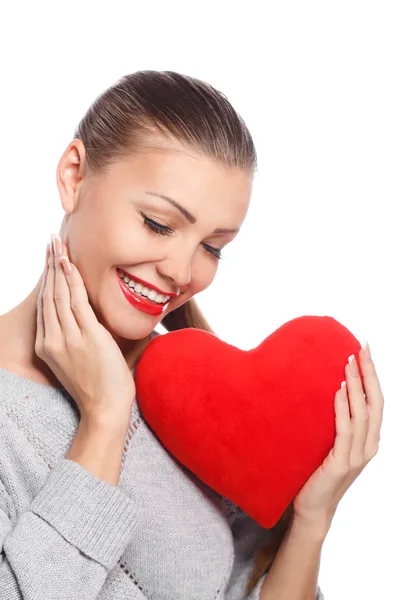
(356, 443)
(78, 349)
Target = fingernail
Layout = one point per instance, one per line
(367, 350)
(66, 265)
(56, 244)
(353, 366)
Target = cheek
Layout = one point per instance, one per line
(122, 243)
(203, 272)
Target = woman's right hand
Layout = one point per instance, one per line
(78, 349)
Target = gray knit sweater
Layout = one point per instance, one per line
(161, 534)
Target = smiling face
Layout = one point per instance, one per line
(159, 215)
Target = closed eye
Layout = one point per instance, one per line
(156, 227)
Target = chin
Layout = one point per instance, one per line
(137, 330)
(136, 327)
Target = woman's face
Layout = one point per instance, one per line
(121, 222)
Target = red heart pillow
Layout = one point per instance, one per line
(253, 425)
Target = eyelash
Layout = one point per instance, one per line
(164, 230)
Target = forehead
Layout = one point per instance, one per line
(200, 183)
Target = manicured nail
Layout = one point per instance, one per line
(353, 366)
(66, 265)
(367, 350)
(56, 244)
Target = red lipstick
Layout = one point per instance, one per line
(148, 285)
(141, 302)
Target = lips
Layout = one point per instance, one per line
(148, 285)
(141, 302)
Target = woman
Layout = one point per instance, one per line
(155, 184)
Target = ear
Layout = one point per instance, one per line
(70, 171)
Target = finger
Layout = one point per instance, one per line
(52, 326)
(40, 332)
(83, 312)
(343, 441)
(375, 401)
(359, 413)
(62, 298)
(65, 250)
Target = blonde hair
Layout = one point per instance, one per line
(193, 112)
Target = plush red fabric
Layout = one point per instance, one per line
(253, 425)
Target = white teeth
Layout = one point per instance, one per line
(144, 291)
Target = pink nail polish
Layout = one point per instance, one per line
(56, 244)
(66, 265)
(353, 366)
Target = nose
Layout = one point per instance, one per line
(178, 272)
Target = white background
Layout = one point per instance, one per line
(318, 85)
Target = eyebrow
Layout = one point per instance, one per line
(188, 216)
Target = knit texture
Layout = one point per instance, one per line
(161, 534)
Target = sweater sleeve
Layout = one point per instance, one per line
(66, 542)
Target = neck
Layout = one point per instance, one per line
(18, 335)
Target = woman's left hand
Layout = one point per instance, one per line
(358, 425)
